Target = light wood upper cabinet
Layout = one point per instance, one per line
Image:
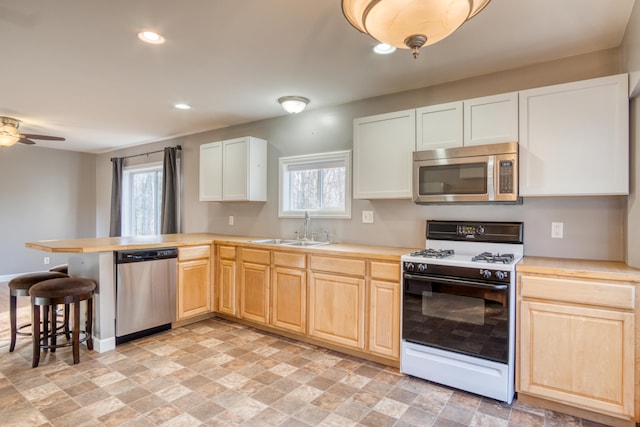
(574, 138)
(234, 170)
(439, 126)
(194, 281)
(576, 342)
(382, 155)
(254, 285)
(226, 283)
(491, 119)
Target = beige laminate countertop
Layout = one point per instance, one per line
(604, 270)
(106, 244)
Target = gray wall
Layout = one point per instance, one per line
(44, 194)
(593, 226)
(631, 63)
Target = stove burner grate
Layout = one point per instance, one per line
(434, 253)
(495, 258)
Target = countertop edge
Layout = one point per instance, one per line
(592, 269)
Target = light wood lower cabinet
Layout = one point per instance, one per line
(194, 281)
(384, 309)
(226, 286)
(576, 343)
(289, 292)
(254, 285)
(336, 301)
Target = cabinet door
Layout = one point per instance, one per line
(289, 299)
(382, 155)
(254, 292)
(211, 171)
(194, 288)
(574, 138)
(336, 309)
(578, 355)
(227, 287)
(439, 126)
(234, 175)
(384, 318)
(491, 119)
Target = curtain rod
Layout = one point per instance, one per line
(178, 147)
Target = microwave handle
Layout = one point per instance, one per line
(492, 175)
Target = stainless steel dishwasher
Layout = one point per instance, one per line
(145, 292)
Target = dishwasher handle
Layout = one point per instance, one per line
(140, 255)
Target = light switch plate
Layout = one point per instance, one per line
(557, 230)
(367, 217)
(231, 220)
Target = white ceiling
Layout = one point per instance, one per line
(75, 68)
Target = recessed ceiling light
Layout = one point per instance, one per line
(384, 49)
(151, 37)
(182, 106)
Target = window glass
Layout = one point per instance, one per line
(318, 183)
(141, 200)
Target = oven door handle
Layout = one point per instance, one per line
(456, 282)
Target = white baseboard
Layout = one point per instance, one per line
(104, 345)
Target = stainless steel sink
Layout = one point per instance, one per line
(289, 242)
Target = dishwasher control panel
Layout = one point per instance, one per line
(145, 255)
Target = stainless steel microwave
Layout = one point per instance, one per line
(480, 173)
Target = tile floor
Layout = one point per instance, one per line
(218, 373)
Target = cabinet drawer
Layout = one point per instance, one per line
(621, 296)
(256, 255)
(355, 267)
(228, 252)
(286, 259)
(194, 252)
(385, 270)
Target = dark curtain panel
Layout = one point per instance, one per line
(115, 229)
(170, 215)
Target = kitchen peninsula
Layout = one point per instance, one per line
(94, 258)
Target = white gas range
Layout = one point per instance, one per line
(458, 306)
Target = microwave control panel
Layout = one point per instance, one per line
(506, 177)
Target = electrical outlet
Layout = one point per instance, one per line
(47, 260)
(231, 220)
(367, 217)
(557, 230)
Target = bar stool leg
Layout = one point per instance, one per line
(89, 323)
(13, 309)
(76, 332)
(36, 334)
(45, 326)
(54, 327)
(67, 333)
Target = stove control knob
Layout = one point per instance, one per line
(486, 274)
(422, 268)
(409, 266)
(502, 275)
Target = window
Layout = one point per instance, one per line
(318, 183)
(141, 199)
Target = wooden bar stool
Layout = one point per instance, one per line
(46, 295)
(19, 287)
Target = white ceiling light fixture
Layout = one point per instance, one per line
(293, 104)
(151, 37)
(182, 106)
(410, 24)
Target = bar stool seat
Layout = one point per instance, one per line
(19, 287)
(49, 293)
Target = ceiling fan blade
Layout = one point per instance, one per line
(27, 141)
(47, 137)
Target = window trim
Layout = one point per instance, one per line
(285, 162)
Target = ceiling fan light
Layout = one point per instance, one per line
(293, 104)
(8, 140)
(395, 21)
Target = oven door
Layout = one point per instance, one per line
(459, 315)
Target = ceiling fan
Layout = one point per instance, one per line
(9, 134)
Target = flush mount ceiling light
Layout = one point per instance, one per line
(293, 104)
(151, 37)
(182, 106)
(410, 24)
